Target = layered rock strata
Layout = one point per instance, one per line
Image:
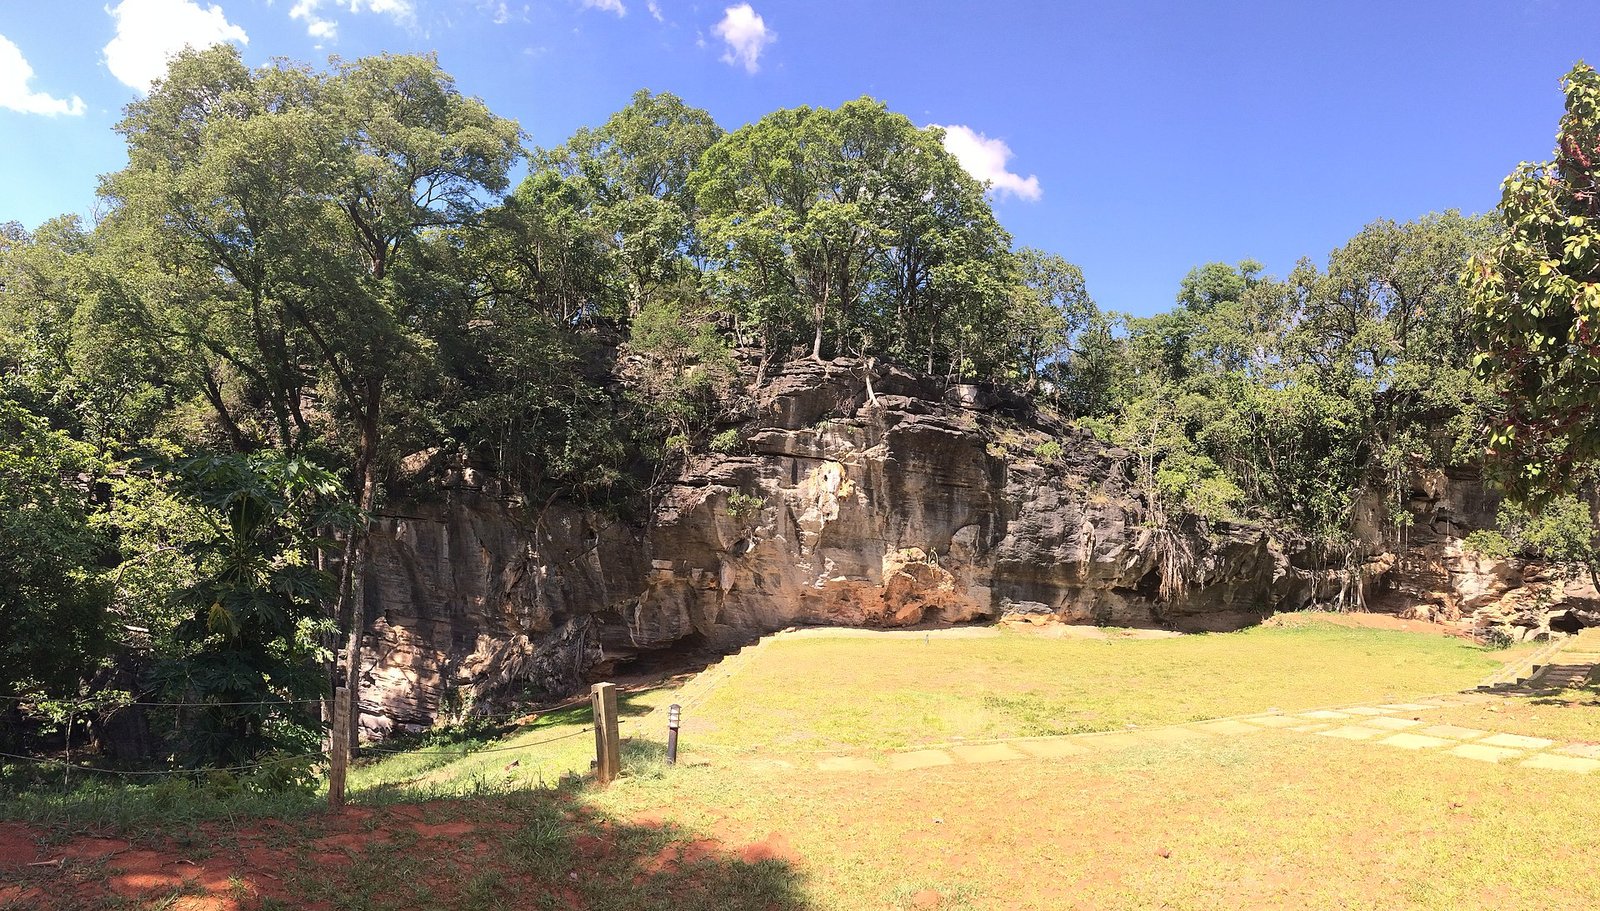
(881, 499)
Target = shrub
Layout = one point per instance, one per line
(744, 508)
(1049, 451)
(725, 442)
(1486, 543)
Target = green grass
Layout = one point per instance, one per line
(1266, 821)
(1572, 714)
(809, 694)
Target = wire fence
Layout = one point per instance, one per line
(152, 773)
(114, 704)
(470, 751)
(117, 704)
(69, 767)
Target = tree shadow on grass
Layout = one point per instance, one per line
(524, 849)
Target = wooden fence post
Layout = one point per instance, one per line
(607, 749)
(339, 749)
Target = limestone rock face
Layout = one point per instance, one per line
(1429, 574)
(889, 505)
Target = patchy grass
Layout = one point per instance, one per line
(810, 694)
(1571, 714)
(1264, 821)
(525, 850)
(1260, 821)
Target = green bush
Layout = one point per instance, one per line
(1561, 533)
(1049, 450)
(1486, 543)
(725, 442)
(744, 508)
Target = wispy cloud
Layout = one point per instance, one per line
(985, 159)
(15, 74)
(746, 34)
(320, 24)
(608, 6)
(149, 32)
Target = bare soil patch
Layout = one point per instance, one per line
(538, 852)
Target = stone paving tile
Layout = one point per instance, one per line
(986, 752)
(1392, 724)
(1275, 721)
(1586, 750)
(1313, 728)
(1432, 703)
(1228, 726)
(1407, 706)
(1453, 732)
(1113, 741)
(1325, 715)
(1051, 749)
(1173, 735)
(846, 764)
(1516, 741)
(1353, 732)
(919, 759)
(1415, 741)
(1560, 763)
(1366, 710)
(1485, 754)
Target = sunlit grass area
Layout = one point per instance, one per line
(502, 817)
(537, 754)
(807, 694)
(1269, 820)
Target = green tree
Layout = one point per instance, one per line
(1535, 300)
(634, 171)
(52, 586)
(250, 647)
(272, 218)
(854, 230)
(1051, 308)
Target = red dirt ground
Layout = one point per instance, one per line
(235, 868)
(1390, 622)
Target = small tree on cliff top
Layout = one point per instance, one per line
(1536, 301)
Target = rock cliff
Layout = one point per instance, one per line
(873, 499)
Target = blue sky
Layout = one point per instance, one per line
(1144, 138)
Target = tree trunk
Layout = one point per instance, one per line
(355, 558)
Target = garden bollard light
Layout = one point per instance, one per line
(672, 734)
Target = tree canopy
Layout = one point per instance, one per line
(1536, 298)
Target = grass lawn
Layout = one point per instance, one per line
(810, 694)
(1271, 820)
(1571, 714)
(1266, 820)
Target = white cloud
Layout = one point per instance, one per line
(15, 73)
(655, 10)
(151, 31)
(746, 34)
(325, 28)
(609, 6)
(985, 159)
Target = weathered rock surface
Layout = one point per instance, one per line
(1431, 574)
(903, 504)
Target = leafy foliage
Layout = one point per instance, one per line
(252, 645)
(1536, 297)
(53, 622)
